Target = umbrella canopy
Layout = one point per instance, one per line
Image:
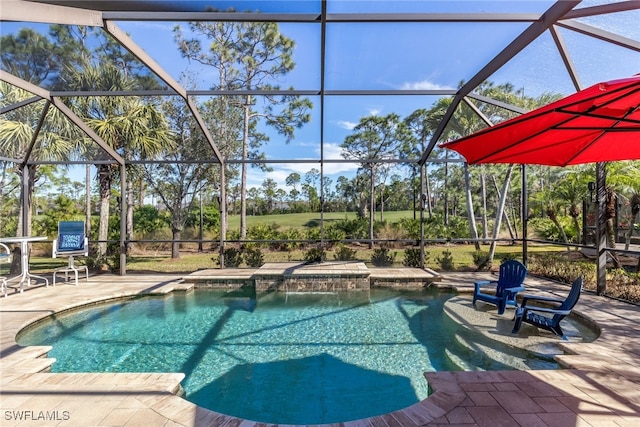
(598, 124)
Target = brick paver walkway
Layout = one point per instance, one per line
(599, 387)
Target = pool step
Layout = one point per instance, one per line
(29, 366)
(27, 360)
(95, 382)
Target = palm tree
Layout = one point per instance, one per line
(570, 187)
(125, 123)
(621, 177)
(56, 140)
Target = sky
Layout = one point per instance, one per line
(392, 56)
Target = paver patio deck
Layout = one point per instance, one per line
(599, 387)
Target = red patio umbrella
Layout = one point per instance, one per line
(598, 124)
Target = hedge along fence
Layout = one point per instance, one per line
(620, 283)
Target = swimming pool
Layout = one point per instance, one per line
(278, 357)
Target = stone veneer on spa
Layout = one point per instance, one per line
(303, 277)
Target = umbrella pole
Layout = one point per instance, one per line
(601, 228)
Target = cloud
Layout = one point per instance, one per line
(424, 85)
(347, 169)
(280, 172)
(332, 151)
(374, 111)
(346, 124)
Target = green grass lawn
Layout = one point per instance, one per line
(462, 257)
(311, 219)
(191, 261)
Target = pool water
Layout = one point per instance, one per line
(277, 357)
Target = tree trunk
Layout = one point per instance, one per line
(223, 205)
(243, 178)
(382, 203)
(141, 188)
(446, 189)
(634, 220)
(551, 213)
(104, 176)
(611, 232)
(428, 191)
(129, 212)
(575, 213)
(470, 211)
(362, 208)
(371, 209)
(26, 192)
(483, 184)
(500, 213)
(506, 216)
(87, 199)
(513, 220)
(175, 245)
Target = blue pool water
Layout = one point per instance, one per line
(276, 357)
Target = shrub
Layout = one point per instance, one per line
(315, 255)
(381, 257)
(508, 256)
(232, 257)
(623, 285)
(391, 232)
(481, 260)
(445, 261)
(620, 283)
(263, 232)
(434, 228)
(334, 233)
(556, 267)
(344, 253)
(313, 233)
(290, 234)
(411, 227)
(547, 230)
(412, 257)
(253, 256)
(94, 263)
(354, 228)
(210, 217)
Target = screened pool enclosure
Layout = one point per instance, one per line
(334, 109)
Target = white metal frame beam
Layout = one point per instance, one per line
(28, 11)
(44, 94)
(532, 32)
(139, 53)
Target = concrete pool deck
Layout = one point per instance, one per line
(599, 387)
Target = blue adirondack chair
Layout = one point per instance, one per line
(509, 283)
(547, 317)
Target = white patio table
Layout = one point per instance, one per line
(24, 245)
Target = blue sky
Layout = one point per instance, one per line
(376, 56)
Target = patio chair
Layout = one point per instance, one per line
(551, 314)
(509, 283)
(71, 242)
(5, 256)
